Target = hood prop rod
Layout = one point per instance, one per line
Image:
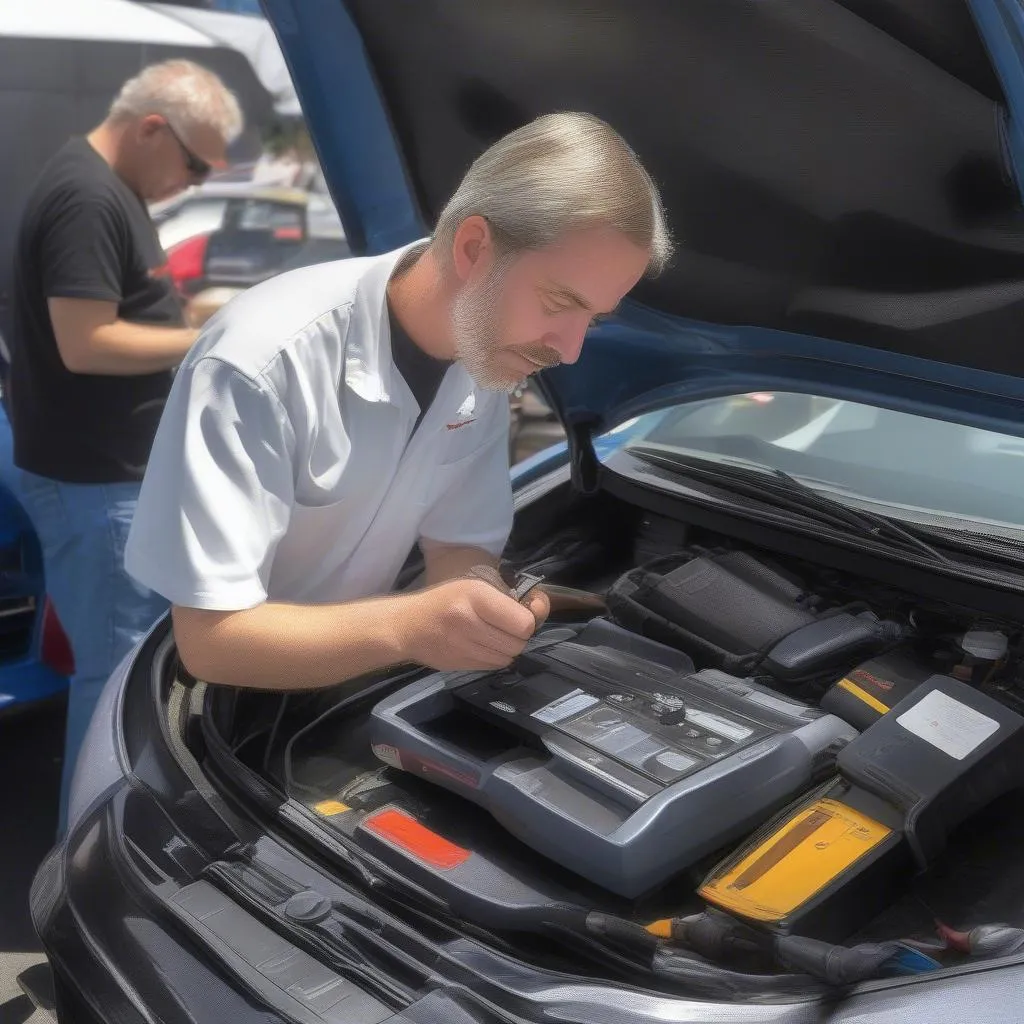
(583, 463)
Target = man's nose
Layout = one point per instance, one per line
(570, 342)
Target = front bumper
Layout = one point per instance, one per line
(134, 938)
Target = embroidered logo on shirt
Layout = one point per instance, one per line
(464, 416)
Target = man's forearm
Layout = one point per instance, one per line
(460, 626)
(279, 646)
(92, 340)
(128, 349)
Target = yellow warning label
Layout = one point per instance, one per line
(329, 808)
(862, 694)
(798, 861)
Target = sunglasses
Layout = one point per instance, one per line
(197, 168)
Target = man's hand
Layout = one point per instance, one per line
(538, 602)
(534, 599)
(466, 625)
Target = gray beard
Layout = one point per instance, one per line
(476, 332)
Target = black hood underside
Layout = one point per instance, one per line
(835, 168)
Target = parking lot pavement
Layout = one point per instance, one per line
(30, 749)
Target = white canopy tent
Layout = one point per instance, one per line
(250, 35)
(107, 20)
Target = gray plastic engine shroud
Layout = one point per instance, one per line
(621, 763)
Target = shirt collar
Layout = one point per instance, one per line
(368, 362)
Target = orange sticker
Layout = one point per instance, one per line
(405, 832)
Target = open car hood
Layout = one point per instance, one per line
(841, 176)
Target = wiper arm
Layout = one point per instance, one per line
(868, 522)
(792, 495)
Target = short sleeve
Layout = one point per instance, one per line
(218, 491)
(475, 509)
(82, 251)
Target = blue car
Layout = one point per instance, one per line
(35, 656)
(765, 762)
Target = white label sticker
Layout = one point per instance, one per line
(718, 725)
(568, 704)
(954, 728)
(769, 700)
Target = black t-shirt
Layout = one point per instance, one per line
(85, 235)
(423, 373)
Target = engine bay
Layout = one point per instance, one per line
(768, 764)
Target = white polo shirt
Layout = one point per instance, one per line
(283, 467)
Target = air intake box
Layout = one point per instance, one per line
(733, 612)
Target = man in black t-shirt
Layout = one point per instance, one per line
(98, 330)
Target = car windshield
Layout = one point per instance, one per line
(913, 467)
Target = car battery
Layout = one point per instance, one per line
(608, 753)
(837, 858)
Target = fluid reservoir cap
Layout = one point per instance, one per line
(988, 646)
(308, 907)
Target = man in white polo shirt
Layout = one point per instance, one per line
(329, 420)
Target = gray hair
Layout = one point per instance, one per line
(186, 94)
(560, 172)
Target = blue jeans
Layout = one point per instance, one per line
(82, 529)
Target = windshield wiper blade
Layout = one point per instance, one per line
(972, 542)
(736, 479)
(778, 488)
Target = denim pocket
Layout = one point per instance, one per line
(45, 506)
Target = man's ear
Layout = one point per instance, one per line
(149, 126)
(473, 248)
